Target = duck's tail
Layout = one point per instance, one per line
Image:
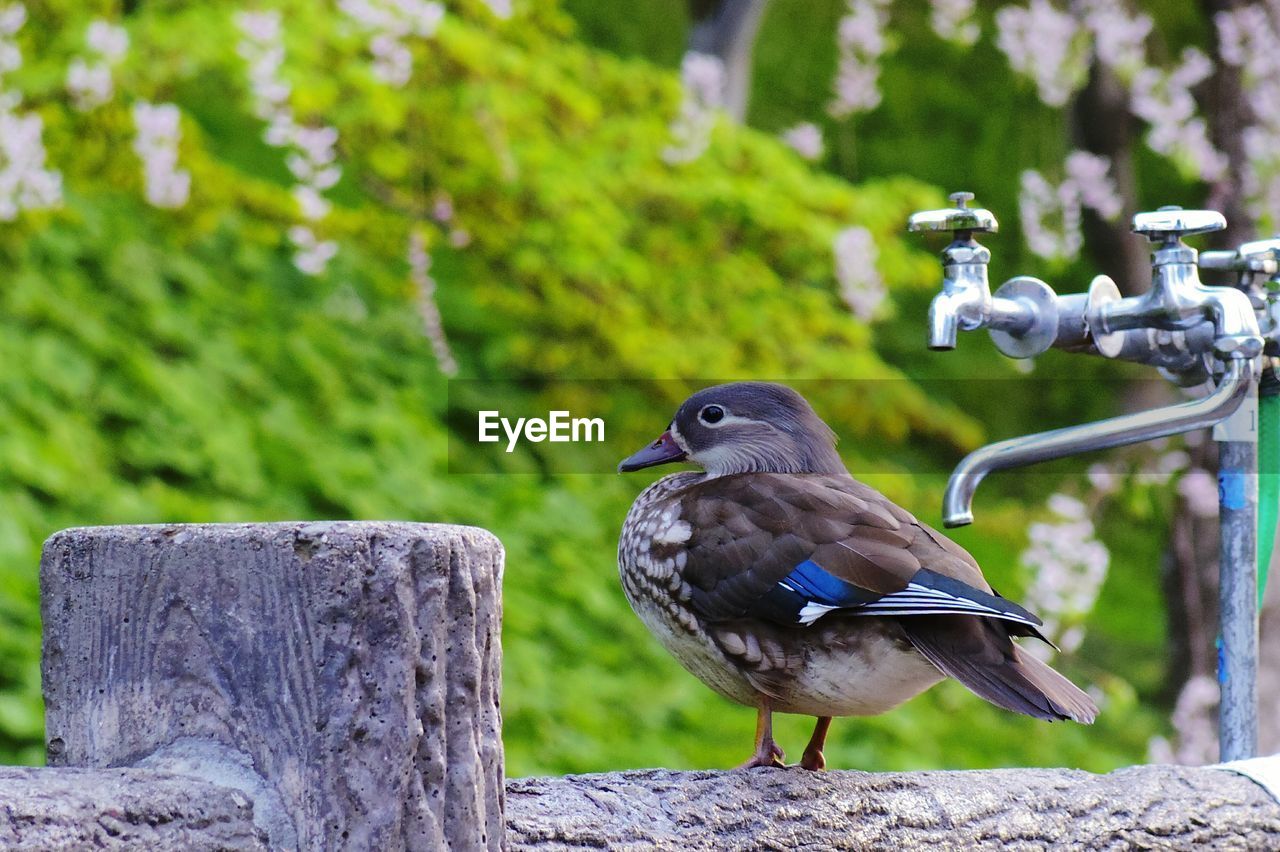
(980, 653)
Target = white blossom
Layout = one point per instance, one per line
(1090, 174)
(501, 8)
(432, 325)
(89, 80)
(703, 78)
(805, 139)
(12, 17)
(860, 42)
(1167, 464)
(1045, 44)
(10, 56)
(1070, 565)
(262, 49)
(107, 40)
(1050, 216)
(311, 151)
(311, 203)
(442, 208)
(953, 21)
(1102, 479)
(1119, 36)
(860, 284)
(1066, 506)
(1200, 491)
(262, 27)
(1163, 99)
(25, 183)
(1247, 36)
(1193, 721)
(311, 255)
(391, 23)
(158, 132)
(90, 85)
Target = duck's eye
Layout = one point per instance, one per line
(711, 414)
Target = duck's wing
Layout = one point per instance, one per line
(790, 549)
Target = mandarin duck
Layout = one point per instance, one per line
(786, 585)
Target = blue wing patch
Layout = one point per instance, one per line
(810, 592)
(821, 587)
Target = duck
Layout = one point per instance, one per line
(786, 585)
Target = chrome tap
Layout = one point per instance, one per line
(1177, 300)
(1189, 331)
(1024, 316)
(1257, 268)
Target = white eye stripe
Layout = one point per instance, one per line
(677, 437)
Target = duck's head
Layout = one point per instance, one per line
(744, 427)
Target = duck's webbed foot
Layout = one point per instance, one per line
(768, 753)
(813, 759)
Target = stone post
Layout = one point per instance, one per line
(345, 676)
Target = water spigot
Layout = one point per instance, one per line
(1257, 268)
(965, 300)
(1022, 317)
(1250, 260)
(1178, 301)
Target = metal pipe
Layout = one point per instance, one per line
(1238, 600)
(957, 503)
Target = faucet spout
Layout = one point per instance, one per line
(957, 503)
(944, 319)
(965, 301)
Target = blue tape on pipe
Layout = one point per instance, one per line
(1231, 489)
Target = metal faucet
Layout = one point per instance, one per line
(1190, 332)
(1257, 268)
(1024, 314)
(1181, 326)
(1177, 300)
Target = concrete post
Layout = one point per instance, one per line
(345, 676)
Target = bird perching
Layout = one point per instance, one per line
(785, 584)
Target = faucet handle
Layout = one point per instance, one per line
(961, 217)
(1171, 224)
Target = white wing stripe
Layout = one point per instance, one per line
(915, 599)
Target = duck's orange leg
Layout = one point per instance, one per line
(813, 758)
(768, 753)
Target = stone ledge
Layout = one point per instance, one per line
(1141, 807)
(74, 809)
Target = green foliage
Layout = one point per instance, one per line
(174, 366)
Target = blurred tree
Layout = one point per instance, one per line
(727, 29)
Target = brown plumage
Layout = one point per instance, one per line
(785, 584)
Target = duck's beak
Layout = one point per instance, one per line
(661, 451)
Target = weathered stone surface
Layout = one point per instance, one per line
(1143, 807)
(74, 809)
(345, 675)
